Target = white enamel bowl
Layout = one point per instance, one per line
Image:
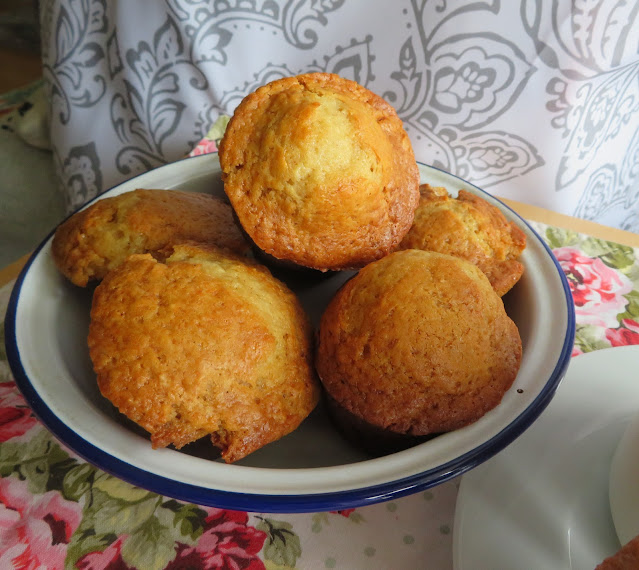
(312, 469)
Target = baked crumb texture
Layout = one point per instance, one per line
(471, 228)
(627, 558)
(417, 343)
(320, 172)
(97, 239)
(203, 344)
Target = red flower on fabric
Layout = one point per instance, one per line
(108, 559)
(205, 146)
(597, 290)
(344, 512)
(15, 416)
(627, 333)
(227, 542)
(34, 530)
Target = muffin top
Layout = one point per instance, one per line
(471, 228)
(97, 239)
(203, 344)
(417, 343)
(320, 171)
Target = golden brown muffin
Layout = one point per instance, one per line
(320, 172)
(471, 228)
(203, 344)
(97, 239)
(417, 343)
(627, 558)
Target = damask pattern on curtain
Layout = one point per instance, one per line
(534, 100)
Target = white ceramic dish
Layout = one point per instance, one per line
(623, 488)
(543, 501)
(312, 469)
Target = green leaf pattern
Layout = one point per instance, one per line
(282, 546)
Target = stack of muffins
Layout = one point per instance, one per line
(192, 336)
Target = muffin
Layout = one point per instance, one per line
(416, 344)
(203, 344)
(471, 228)
(626, 558)
(320, 172)
(97, 239)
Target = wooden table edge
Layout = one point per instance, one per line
(12, 270)
(538, 214)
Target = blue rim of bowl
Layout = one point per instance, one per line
(278, 503)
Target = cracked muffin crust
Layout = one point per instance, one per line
(320, 172)
(417, 343)
(203, 344)
(471, 228)
(97, 239)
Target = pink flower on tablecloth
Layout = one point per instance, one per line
(576, 351)
(34, 529)
(597, 290)
(627, 333)
(344, 512)
(108, 559)
(15, 416)
(205, 146)
(227, 542)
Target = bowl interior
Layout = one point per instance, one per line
(312, 468)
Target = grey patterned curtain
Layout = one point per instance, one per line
(535, 100)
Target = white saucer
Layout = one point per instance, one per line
(623, 489)
(543, 501)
